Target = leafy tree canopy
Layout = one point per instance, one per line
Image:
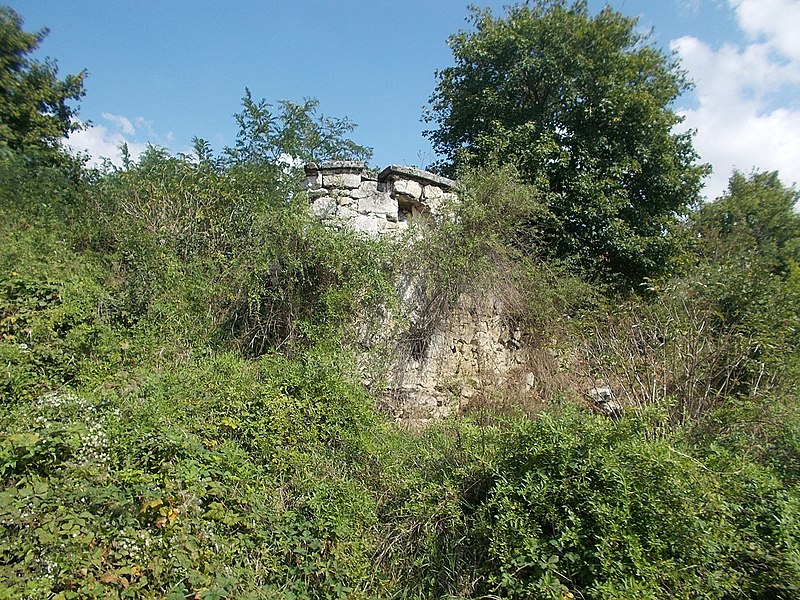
(581, 105)
(296, 132)
(35, 114)
(754, 220)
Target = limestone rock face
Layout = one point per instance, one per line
(447, 367)
(427, 368)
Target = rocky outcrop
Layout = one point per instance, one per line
(603, 399)
(345, 193)
(466, 354)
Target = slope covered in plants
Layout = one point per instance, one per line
(183, 413)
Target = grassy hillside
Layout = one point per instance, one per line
(182, 416)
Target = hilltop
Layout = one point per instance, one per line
(556, 380)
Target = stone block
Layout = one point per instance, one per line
(346, 214)
(323, 207)
(434, 205)
(313, 180)
(368, 224)
(398, 171)
(367, 188)
(341, 180)
(317, 193)
(408, 187)
(430, 192)
(334, 165)
(380, 203)
(345, 200)
(396, 226)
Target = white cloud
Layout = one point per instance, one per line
(744, 118)
(774, 20)
(104, 141)
(123, 123)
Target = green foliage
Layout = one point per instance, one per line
(236, 245)
(589, 509)
(35, 114)
(748, 243)
(570, 505)
(137, 461)
(581, 105)
(56, 314)
(296, 134)
(149, 493)
(755, 221)
(488, 247)
(182, 414)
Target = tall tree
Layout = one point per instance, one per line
(748, 267)
(754, 222)
(581, 105)
(35, 114)
(296, 133)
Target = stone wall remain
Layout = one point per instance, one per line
(345, 193)
(470, 350)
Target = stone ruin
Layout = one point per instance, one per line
(468, 354)
(472, 348)
(473, 351)
(346, 193)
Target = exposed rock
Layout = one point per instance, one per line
(442, 374)
(345, 200)
(604, 402)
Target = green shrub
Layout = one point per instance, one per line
(587, 508)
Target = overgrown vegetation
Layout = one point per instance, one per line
(183, 416)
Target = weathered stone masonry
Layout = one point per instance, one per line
(346, 193)
(470, 350)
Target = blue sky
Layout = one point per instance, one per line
(166, 71)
